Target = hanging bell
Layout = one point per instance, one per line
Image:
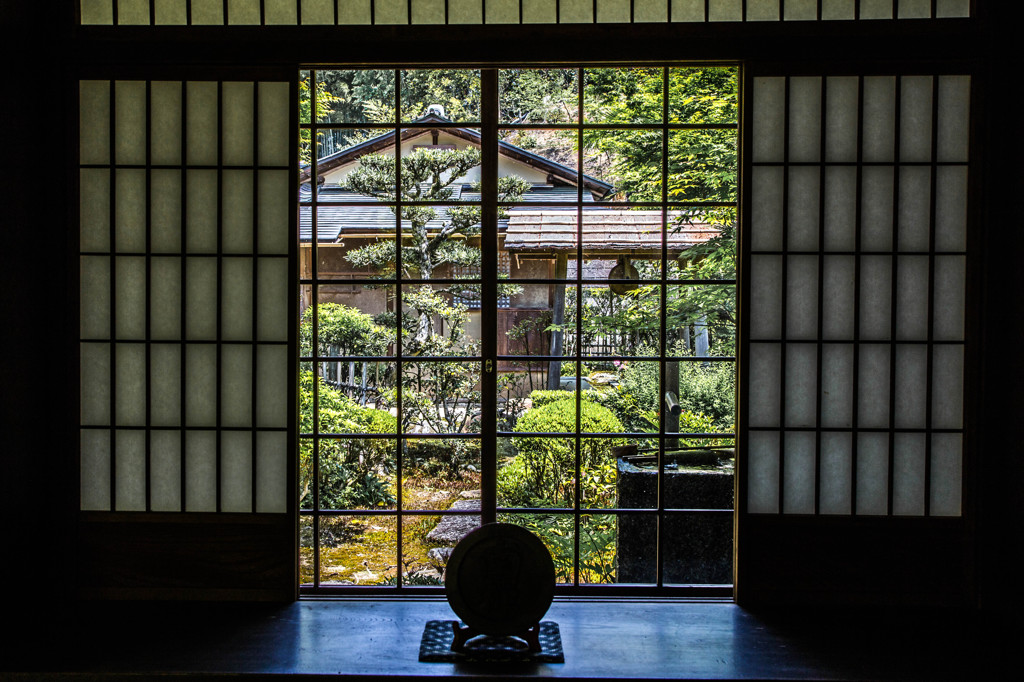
(624, 270)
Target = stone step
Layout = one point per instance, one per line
(453, 527)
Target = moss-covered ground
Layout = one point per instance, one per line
(363, 550)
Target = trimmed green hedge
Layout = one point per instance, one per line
(540, 398)
(542, 473)
(353, 471)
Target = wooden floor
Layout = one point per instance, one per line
(602, 640)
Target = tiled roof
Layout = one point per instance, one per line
(605, 230)
(336, 216)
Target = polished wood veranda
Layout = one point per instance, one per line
(374, 639)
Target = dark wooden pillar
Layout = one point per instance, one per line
(557, 319)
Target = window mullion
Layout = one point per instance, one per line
(488, 292)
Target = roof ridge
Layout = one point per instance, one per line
(386, 140)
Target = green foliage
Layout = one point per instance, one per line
(342, 330)
(351, 470)
(642, 382)
(325, 100)
(707, 392)
(368, 95)
(701, 163)
(527, 95)
(714, 306)
(542, 397)
(695, 422)
(597, 545)
(543, 471)
(568, 369)
(457, 90)
(351, 87)
(632, 410)
(426, 174)
(449, 459)
(710, 391)
(703, 95)
(616, 95)
(538, 95)
(515, 484)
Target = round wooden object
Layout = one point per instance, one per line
(500, 579)
(624, 270)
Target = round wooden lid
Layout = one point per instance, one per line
(500, 579)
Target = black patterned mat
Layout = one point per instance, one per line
(436, 646)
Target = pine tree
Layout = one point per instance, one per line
(427, 244)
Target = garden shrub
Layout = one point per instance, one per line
(709, 390)
(704, 388)
(634, 415)
(449, 459)
(568, 369)
(695, 422)
(514, 487)
(543, 471)
(631, 410)
(342, 330)
(598, 544)
(351, 469)
(541, 398)
(640, 380)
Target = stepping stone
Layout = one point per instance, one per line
(453, 527)
(439, 556)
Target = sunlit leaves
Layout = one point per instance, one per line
(325, 100)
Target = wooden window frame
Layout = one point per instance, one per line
(942, 44)
(487, 280)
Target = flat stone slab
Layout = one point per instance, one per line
(439, 556)
(455, 526)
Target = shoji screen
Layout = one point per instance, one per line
(855, 480)
(185, 297)
(856, 284)
(385, 12)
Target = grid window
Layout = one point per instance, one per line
(857, 282)
(574, 386)
(425, 12)
(184, 275)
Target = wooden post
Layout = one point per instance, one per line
(557, 318)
